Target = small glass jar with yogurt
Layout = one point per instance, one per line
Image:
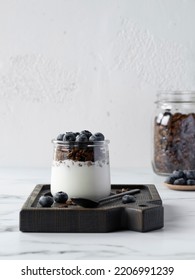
(81, 169)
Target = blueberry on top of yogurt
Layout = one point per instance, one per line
(87, 133)
(98, 136)
(60, 137)
(83, 136)
(69, 136)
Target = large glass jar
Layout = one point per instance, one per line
(81, 169)
(174, 132)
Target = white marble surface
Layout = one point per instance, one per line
(175, 241)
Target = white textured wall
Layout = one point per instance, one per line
(89, 64)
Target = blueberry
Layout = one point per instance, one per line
(81, 138)
(60, 197)
(69, 136)
(180, 181)
(87, 133)
(98, 136)
(76, 133)
(128, 198)
(190, 174)
(46, 201)
(170, 179)
(60, 137)
(93, 138)
(191, 182)
(177, 174)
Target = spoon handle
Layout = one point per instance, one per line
(119, 195)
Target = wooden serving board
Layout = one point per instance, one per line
(144, 215)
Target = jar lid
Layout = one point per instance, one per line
(175, 97)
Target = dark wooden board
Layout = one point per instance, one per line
(144, 215)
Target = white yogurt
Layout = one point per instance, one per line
(81, 179)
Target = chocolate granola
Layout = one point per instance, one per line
(174, 142)
(79, 153)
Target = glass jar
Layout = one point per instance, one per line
(81, 169)
(174, 132)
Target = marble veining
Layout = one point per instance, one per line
(174, 241)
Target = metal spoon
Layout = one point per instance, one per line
(88, 203)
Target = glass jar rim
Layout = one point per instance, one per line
(177, 96)
(75, 144)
